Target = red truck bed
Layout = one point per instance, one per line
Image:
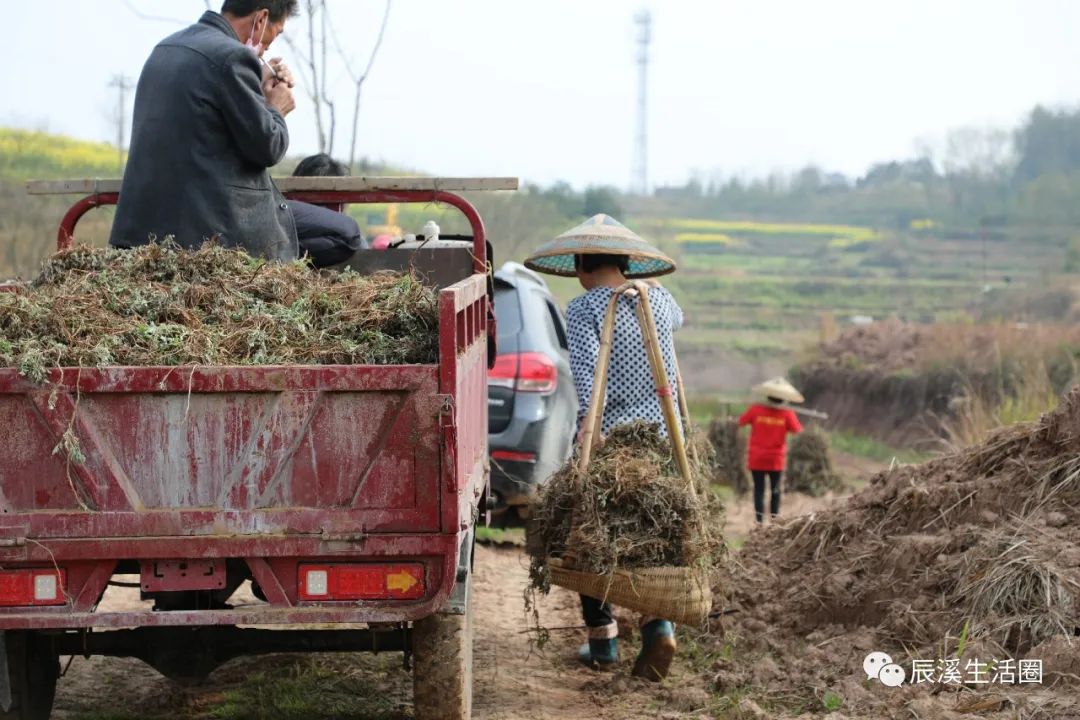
(272, 465)
(346, 494)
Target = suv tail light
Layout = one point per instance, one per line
(525, 372)
(32, 587)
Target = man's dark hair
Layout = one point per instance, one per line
(321, 165)
(279, 9)
(591, 262)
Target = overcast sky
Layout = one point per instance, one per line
(547, 90)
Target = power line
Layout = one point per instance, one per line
(123, 85)
(640, 180)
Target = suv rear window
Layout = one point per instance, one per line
(507, 310)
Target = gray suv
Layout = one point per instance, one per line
(532, 404)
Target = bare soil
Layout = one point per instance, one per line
(790, 643)
(512, 678)
(973, 558)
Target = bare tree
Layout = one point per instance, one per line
(313, 48)
(979, 152)
(313, 70)
(358, 80)
(313, 56)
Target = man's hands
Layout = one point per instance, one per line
(284, 74)
(279, 96)
(278, 90)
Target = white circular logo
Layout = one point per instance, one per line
(873, 663)
(892, 675)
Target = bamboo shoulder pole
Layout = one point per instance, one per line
(594, 418)
(660, 378)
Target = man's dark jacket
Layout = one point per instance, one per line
(201, 142)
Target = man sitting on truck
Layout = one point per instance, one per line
(209, 123)
(327, 235)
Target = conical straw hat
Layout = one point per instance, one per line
(600, 234)
(779, 388)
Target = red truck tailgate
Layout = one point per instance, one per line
(221, 451)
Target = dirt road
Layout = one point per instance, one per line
(513, 680)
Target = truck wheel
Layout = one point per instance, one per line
(442, 666)
(33, 668)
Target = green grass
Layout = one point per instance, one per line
(704, 408)
(882, 296)
(285, 687)
(724, 492)
(868, 447)
(832, 701)
(309, 689)
(501, 536)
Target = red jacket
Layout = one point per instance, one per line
(769, 427)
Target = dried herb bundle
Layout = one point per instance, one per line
(159, 305)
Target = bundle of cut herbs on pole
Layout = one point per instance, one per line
(630, 519)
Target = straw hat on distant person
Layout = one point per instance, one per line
(602, 235)
(779, 388)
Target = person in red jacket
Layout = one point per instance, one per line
(769, 427)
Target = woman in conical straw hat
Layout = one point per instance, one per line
(603, 254)
(769, 427)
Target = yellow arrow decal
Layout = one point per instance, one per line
(401, 582)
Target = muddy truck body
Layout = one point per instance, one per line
(346, 495)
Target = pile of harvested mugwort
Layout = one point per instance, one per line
(158, 305)
(630, 509)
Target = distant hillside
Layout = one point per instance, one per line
(758, 286)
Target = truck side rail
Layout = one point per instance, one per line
(100, 193)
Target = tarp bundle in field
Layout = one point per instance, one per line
(730, 447)
(809, 464)
(159, 305)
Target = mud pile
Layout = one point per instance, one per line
(159, 305)
(904, 383)
(973, 557)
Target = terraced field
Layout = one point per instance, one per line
(757, 293)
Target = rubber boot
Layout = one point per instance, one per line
(599, 654)
(657, 651)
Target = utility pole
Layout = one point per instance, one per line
(640, 181)
(122, 84)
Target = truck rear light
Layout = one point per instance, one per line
(513, 455)
(362, 581)
(525, 372)
(316, 583)
(27, 588)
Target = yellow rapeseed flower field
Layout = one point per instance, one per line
(29, 154)
(697, 230)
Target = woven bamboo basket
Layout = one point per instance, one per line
(679, 594)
